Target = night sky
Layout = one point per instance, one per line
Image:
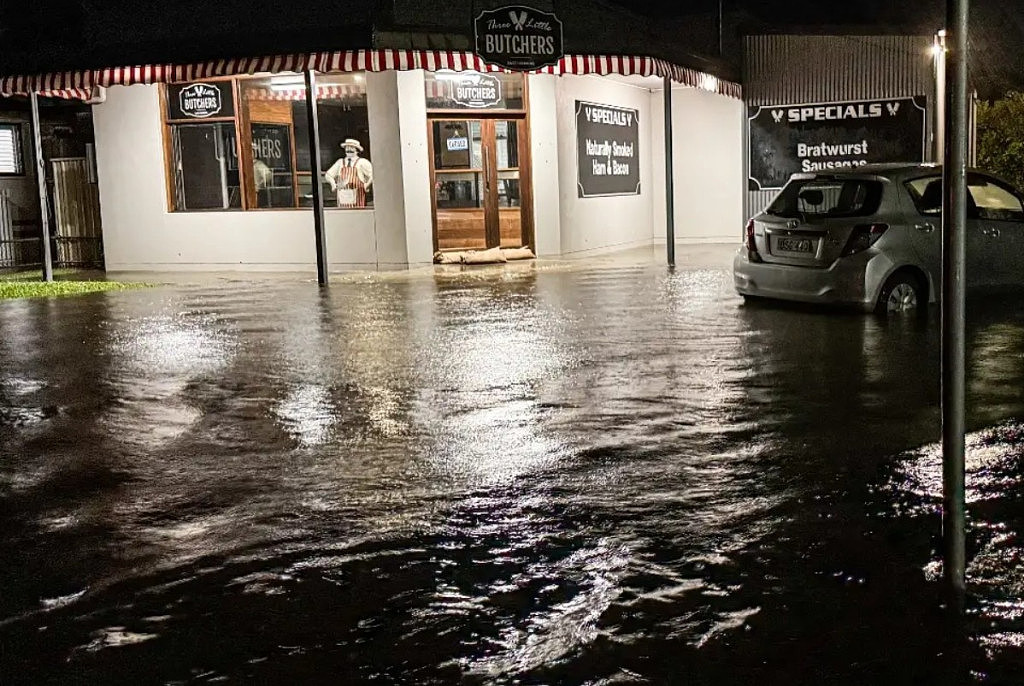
(996, 26)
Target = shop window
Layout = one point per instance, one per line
(10, 150)
(343, 117)
(205, 167)
(256, 155)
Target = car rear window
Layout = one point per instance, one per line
(802, 198)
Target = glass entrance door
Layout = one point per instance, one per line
(476, 183)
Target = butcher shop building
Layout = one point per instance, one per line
(561, 127)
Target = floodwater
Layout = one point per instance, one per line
(597, 473)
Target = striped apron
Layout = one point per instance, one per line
(354, 196)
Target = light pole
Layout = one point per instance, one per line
(954, 251)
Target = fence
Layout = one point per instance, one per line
(16, 249)
(75, 207)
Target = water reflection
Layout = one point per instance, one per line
(548, 475)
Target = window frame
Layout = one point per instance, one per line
(915, 198)
(972, 207)
(241, 122)
(167, 124)
(17, 131)
(998, 183)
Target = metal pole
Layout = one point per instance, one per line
(44, 208)
(721, 49)
(316, 168)
(670, 204)
(954, 250)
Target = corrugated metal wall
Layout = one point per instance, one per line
(793, 70)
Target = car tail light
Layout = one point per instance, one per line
(863, 237)
(750, 243)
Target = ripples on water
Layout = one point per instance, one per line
(544, 476)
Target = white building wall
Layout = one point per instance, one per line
(412, 134)
(598, 224)
(707, 144)
(544, 153)
(139, 233)
(401, 167)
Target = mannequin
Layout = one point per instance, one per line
(351, 176)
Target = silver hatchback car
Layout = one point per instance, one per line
(870, 237)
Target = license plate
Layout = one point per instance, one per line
(795, 245)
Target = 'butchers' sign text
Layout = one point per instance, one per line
(518, 37)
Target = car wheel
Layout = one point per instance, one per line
(902, 294)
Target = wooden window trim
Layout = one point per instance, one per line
(166, 125)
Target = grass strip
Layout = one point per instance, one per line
(42, 289)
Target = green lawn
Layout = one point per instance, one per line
(31, 285)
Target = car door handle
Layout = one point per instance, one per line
(924, 228)
(990, 231)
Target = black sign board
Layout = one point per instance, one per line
(786, 139)
(518, 37)
(607, 150)
(475, 90)
(272, 144)
(200, 100)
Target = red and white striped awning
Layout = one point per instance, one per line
(323, 92)
(72, 83)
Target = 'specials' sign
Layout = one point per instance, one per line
(200, 100)
(476, 90)
(607, 150)
(786, 139)
(518, 37)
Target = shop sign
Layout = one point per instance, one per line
(787, 139)
(271, 143)
(200, 101)
(458, 143)
(518, 37)
(607, 150)
(476, 90)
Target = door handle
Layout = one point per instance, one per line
(990, 231)
(924, 228)
(487, 170)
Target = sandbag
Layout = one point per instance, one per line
(523, 253)
(448, 257)
(483, 256)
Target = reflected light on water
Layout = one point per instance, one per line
(308, 414)
(491, 428)
(561, 628)
(991, 461)
(152, 362)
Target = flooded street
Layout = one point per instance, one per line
(593, 473)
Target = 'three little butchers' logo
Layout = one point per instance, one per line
(200, 100)
(475, 90)
(518, 37)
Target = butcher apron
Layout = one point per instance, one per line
(350, 197)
